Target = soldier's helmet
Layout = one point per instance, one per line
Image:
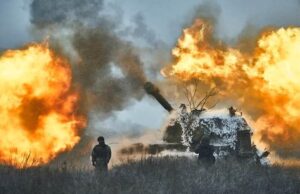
(100, 139)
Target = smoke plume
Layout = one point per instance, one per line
(107, 68)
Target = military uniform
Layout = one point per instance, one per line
(101, 155)
(206, 153)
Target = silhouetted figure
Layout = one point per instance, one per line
(232, 111)
(205, 151)
(101, 155)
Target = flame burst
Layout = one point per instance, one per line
(37, 106)
(264, 83)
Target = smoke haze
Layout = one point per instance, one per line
(109, 67)
(98, 53)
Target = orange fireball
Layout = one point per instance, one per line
(37, 106)
(264, 84)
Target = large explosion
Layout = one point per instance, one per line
(37, 106)
(264, 83)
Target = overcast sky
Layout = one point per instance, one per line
(166, 19)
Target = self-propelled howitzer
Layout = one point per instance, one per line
(173, 133)
(228, 131)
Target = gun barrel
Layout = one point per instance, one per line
(154, 91)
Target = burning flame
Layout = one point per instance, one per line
(37, 106)
(264, 83)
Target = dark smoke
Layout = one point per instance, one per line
(141, 30)
(45, 13)
(106, 67)
(209, 11)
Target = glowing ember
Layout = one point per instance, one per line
(265, 83)
(37, 106)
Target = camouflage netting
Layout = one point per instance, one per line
(218, 125)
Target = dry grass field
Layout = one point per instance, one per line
(153, 175)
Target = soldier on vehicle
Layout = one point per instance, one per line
(205, 151)
(101, 155)
(232, 111)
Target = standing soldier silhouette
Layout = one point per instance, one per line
(101, 155)
(206, 152)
